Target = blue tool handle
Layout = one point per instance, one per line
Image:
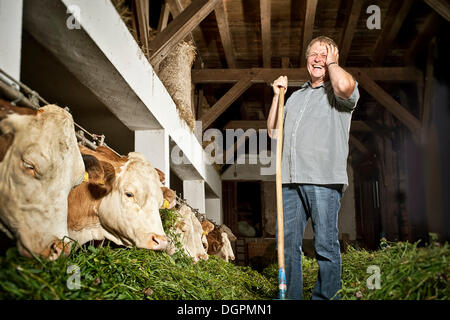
(282, 283)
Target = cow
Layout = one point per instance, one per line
(119, 201)
(219, 243)
(207, 227)
(39, 164)
(191, 232)
(168, 194)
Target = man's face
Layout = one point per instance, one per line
(316, 61)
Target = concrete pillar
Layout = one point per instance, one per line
(11, 36)
(214, 210)
(154, 145)
(194, 193)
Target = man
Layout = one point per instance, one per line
(314, 164)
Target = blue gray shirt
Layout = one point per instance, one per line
(316, 132)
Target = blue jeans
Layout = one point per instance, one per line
(301, 201)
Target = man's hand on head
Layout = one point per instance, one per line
(332, 54)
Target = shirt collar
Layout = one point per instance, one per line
(308, 84)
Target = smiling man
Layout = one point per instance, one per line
(314, 164)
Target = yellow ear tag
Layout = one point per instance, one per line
(102, 182)
(166, 204)
(86, 177)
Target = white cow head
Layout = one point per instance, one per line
(226, 252)
(126, 204)
(38, 170)
(191, 234)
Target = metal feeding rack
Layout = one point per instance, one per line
(32, 99)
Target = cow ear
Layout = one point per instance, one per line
(13, 122)
(215, 246)
(93, 167)
(102, 187)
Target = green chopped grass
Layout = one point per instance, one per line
(407, 272)
(130, 273)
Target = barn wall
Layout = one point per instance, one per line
(437, 147)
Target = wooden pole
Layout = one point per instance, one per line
(280, 223)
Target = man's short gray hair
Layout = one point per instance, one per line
(319, 39)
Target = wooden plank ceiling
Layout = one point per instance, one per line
(243, 45)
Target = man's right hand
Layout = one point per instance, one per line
(282, 81)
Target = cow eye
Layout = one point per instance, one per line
(29, 167)
(129, 194)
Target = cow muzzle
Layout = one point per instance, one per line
(157, 242)
(51, 252)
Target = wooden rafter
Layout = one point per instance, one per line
(429, 29)
(225, 35)
(358, 145)
(142, 15)
(265, 9)
(261, 75)
(397, 14)
(220, 106)
(426, 109)
(308, 28)
(383, 98)
(440, 6)
(349, 32)
(164, 16)
(179, 28)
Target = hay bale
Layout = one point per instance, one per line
(175, 73)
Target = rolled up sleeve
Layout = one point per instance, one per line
(351, 102)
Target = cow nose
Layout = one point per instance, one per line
(55, 249)
(157, 242)
(202, 256)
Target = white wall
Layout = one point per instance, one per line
(154, 145)
(11, 36)
(213, 209)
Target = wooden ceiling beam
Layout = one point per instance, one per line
(179, 28)
(225, 35)
(429, 29)
(142, 14)
(386, 100)
(308, 28)
(358, 145)
(163, 17)
(220, 106)
(261, 75)
(266, 32)
(440, 6)
(395, 18)
(349, 32)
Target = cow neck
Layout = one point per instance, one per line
(83, 212)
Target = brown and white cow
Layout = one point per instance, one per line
(219, 243)
(191, 232)
(39, 164)
(120, 201)
(168, 194)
